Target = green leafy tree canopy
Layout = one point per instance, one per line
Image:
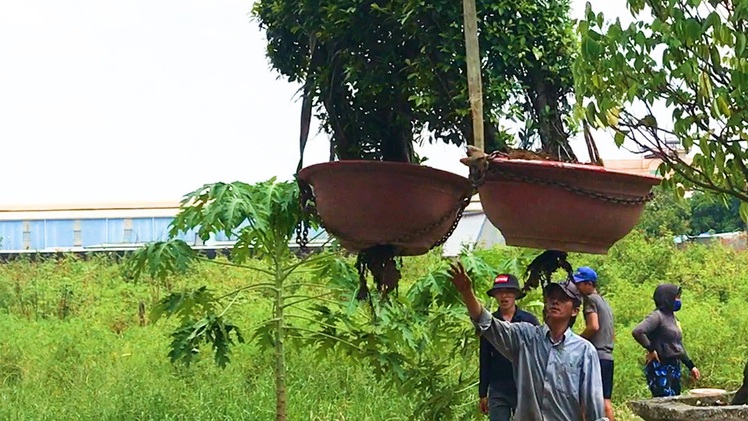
(685, 56)
(381, 74)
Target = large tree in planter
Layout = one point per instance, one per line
(689, 58)
(264, 218)
(380, 73)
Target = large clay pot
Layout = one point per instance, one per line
(558, 206)
(369, 203)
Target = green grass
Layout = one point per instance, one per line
(99, 364)
(72, 347)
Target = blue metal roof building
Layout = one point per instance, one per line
(75, 228)
(99, 227)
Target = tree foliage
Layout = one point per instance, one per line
(709, 213)
(671, 215)
(380, 73)
(666, 215)
(685, 56)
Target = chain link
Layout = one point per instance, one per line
(308, 210)
(576, 190)
(456, 212)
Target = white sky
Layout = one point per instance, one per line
(134, 100)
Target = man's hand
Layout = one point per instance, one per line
(652, 356)
(460, 279)
(695, 373)
(483, 405)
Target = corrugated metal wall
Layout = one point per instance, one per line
(48, 234)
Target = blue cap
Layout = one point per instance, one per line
(584, 274)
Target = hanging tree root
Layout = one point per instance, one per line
(380, 261)
(538, 273)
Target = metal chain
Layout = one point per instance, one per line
(457, 211)
(576, 190)
(461, 208)
(308, 208)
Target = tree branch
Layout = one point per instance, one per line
(236, 265)
(266, 285)
(343, 341)
(305, 298)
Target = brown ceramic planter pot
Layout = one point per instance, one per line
(524, 200)
(369, 203)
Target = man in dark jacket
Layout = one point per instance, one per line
(497, 389)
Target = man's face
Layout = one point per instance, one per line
(586, 287)
(506, 298)
(558, 305)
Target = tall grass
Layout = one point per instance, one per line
(72, 347)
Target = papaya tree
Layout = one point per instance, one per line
(383, 75)
(264, 219)
(418, 340)
(412, 341)
(674, 82)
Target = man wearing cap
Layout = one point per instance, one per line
(557, 372)
(598, 318)
(497, 389)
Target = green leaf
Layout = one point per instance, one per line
(693, 29)
(619, 138)
(740, 44)
(744, 211)
(160, 259)
(185, 305)
(210, 329)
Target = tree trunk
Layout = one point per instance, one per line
(492, 139)
(280, 358)
(554, 140)
(396, 149)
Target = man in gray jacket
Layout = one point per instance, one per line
(557, 372)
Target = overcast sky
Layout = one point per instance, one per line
(134, 100)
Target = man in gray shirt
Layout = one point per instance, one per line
(557, 372)
(598, 318)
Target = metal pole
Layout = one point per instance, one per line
(472, 56)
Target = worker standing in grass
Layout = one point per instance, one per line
(660, 334)
(557, 372)
(497, 389)
(598, 317)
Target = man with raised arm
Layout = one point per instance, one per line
(557, 371)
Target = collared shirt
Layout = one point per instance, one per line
(555, 382)
(495, 369)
